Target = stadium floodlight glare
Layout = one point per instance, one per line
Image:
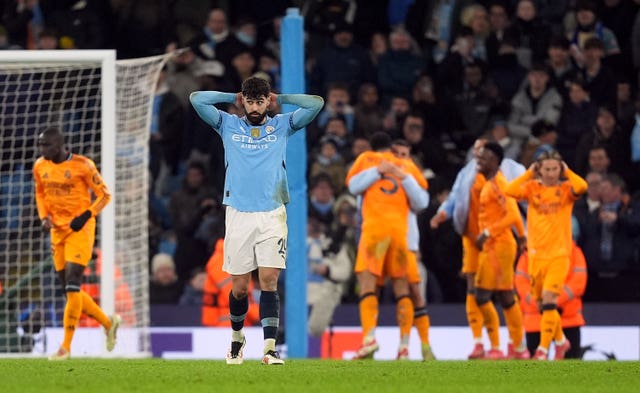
(103, 106)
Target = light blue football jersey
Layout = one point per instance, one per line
(255, 156)
(255, 162)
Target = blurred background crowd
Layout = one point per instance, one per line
(528, 74)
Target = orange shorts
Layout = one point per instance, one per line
(70, 246)
(413, 274)
(470, 255)
(548, 274)
(495, 266)
(383, 254)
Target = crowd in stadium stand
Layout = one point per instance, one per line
(528, 74)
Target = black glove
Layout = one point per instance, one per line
(78, 222)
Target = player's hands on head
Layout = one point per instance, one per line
(46, 224)
(273, 101)
(78, 222)
(534, 167)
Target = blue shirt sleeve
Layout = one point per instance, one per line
(418, 196)
(359, 183)
(309, 105)
(203, 102)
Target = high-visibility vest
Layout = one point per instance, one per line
(215, 300)
(569, 300)
(91, 285)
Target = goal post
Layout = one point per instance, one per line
(103, 106)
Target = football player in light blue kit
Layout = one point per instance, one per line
(255, 192)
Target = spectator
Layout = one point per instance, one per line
(499, 22)
(399, 68)
(188, 207)
(577, 119)
(473, 105)
(500, 134)
(343, 61)
(588, 26)
(23, 20)
(451, 71)
(48, 39)
(85, 23)
(368, 113)
(608, 135)
(216, 42)
(532, 33)
(560, 65)
(393, 120)
(167, 122)
(475, 17)
(331, 262)
(378, 46)
(608, 239)
(329, 160)
(534, 101)
(194, 290)
(600, 81)
(141, 28)
(426, 149)
(164, 287)
(321, 199)
(590, 202)
(543, 137)
(506, 72)
(425, 102)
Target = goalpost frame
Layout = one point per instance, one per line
(107, 60)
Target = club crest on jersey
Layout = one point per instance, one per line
(255, 132)
(269, 129)
(46, 175)
(67, 174)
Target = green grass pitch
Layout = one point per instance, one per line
(168, 376)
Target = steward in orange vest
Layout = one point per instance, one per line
(569, 301)
(215, 301)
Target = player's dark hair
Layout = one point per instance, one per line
(401, 142)
(254, 87)
(496, 149)
(380, 141)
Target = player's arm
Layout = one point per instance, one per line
(574, 287)
(309, 107)
(507, 220)
(516, 188)
(418, 196)
(203, 102)
(43, 212)
(360, 182)
(102, 196)
(578, 184)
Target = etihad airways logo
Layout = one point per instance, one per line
(247, 142)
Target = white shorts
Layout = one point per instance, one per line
(254, 239)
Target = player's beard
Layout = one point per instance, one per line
(256, 118)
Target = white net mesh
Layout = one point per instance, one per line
(32, 97)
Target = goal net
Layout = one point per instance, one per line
(104, 110)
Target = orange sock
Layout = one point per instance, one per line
(559, 334)
(422, 322)
(474, 316)
(91, 308)
(368, 313)
(513, 319)
(72, 311)
(492, 323)
(548, 325)
(404, 314)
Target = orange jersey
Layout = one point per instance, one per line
(385, 203)
(548, 215)
(497, 212)
(63, 191)
(472, 230)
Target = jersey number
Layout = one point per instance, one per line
(391, 190)
(283, 247)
